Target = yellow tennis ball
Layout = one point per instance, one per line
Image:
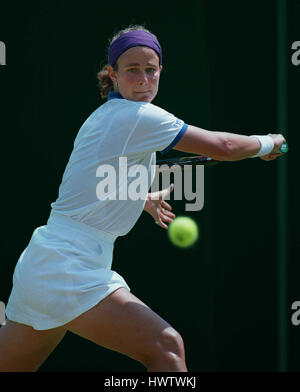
(183, 231)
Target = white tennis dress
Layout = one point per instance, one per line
(66, 267)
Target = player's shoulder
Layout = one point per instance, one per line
(128, 107)
(150, 109)
(116, 104)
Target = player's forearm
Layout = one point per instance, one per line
(222, 146)
(240, 147)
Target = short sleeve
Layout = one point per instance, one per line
(155, 130)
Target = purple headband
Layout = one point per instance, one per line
(131, 39)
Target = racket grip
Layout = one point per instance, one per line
(283, 148)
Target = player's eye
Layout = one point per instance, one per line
(151, 70)
(133, 70)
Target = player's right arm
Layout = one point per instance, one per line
(222, 146)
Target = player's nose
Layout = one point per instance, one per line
(143, 79)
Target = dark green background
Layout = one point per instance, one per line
(220, 73)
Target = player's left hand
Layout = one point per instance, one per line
(158, 208)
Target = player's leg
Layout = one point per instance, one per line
(24, 349)
(123, 323)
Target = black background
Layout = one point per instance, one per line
(220, 73)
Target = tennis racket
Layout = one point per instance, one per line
(200, 160)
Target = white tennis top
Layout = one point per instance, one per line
(66, 267)
(95, 182)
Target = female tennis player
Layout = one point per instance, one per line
(63, 280)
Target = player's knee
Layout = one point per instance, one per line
(172, 342)
(168, 347)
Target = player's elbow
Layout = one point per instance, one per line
(226, 149)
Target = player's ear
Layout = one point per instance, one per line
(112, 73)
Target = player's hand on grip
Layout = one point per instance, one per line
(158, 208)
(278, 141)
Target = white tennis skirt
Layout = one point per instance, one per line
(64, 271)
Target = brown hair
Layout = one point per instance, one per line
(105, 83)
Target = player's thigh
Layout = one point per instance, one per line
(23, 348)
(123, 323)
